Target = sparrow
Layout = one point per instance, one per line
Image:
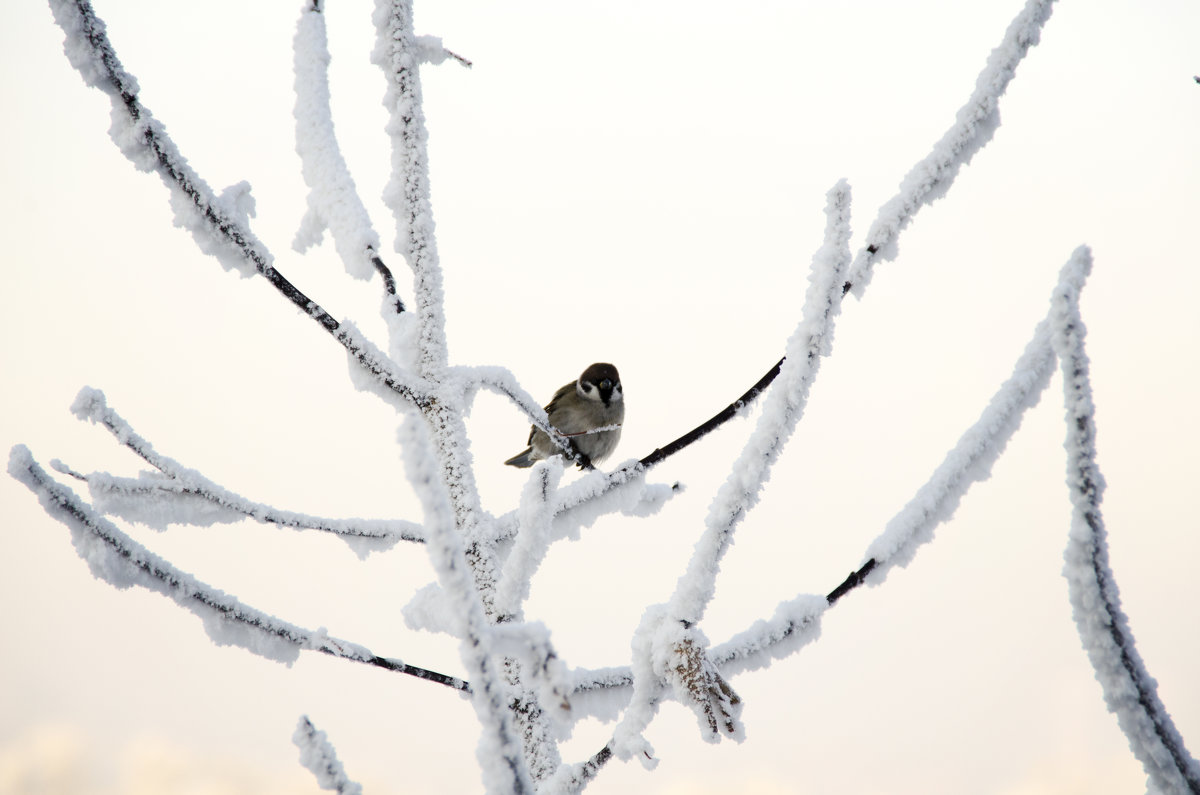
(589, 411)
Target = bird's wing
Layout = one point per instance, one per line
(552, 408)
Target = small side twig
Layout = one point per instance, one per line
(720, 418)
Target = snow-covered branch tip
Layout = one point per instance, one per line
(1129, 690)
(120, 561)
(784, 405)
(333, 199)
(974, 126)
(398, 52)
(183, 496)
(318, 755)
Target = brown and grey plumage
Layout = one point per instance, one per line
(593, 401)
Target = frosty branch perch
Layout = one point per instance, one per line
(928, 181)
(1129, 690)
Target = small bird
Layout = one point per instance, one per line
(589, 411)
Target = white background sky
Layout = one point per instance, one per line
(640, 183)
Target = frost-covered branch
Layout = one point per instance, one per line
(797, 622)
(1129, 690)
(318, 755)
(398, 53)
(522, 692)
(333, 200)
(971, 459)
(120, 561)
(976, 122)
(531, 544)
(499, 750)
(219, 224)
(184, 496)
(797, 619)
(784, 405)
(929, 180)
(158, 501)
(594, 495)
(669, 650)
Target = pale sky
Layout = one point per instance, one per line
(640, 183)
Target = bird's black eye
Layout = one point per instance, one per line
(606, 384)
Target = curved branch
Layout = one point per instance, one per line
(1129, 690)
(720, 418)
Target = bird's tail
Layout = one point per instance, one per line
(522, 459)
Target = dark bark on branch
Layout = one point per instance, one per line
(719, 419)
(855, 579)
(389, 281)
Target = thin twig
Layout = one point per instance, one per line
(720, 418)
